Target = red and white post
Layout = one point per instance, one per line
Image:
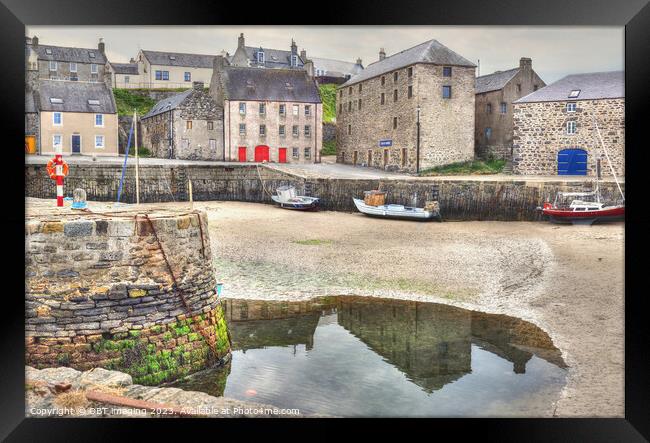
(58, 160)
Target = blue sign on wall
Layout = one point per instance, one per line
(384, 143)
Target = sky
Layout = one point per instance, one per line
(556, 51)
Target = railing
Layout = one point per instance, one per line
(161, 84)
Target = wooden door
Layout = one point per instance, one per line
(242, 153)
(261, 153)
(282, 155)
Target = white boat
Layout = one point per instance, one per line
(397, 211)
(286, 198)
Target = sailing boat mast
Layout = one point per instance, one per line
(609, 162)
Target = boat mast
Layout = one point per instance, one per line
(609, 162)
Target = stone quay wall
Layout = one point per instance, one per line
(506, 200)
(99, 294)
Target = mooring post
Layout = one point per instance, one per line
(189, 186)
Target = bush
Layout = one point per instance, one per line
(329, 148)
(474, 167)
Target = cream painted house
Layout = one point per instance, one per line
(173, 69)
(124, 75)
(81, 117)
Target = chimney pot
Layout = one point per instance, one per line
(34, 41)
(359, 62)
(382, 54)
(525, 63)
(303, 55)
(101, 46)
(240, 41)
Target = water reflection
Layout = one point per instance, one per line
(307, 354)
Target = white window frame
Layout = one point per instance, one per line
(53, 65)
(71, 67)
(242, 126)
(307, 131)
(262, 131)
(54, 123)
(307, 110)
(260, 57)
(295, 153)
(295, 131)
(262, 108)
(282, 109)
(307, 153)
(126, 79)
(282, 131)
(296, 109)
(242, 108)
(212, 143)
(187, 76)
(571, 107)
(103, 145)
(503, 108)
(102, 117)
(94, 68)
(571, 127)
(54, 144)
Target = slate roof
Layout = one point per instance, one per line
(125, 68)
(273, 58)
(181, 59)
(75, 96)
(592, 86)
(269, 84)
(431, 51)
(64, 54)
(494, 81)
(168, 104)
(335, 68)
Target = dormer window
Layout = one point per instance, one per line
(294, 60)
(48, 51)
(56, 101)
(93, 102)
(172, 57)
(575, 93)
(260, 57)
(91, 54)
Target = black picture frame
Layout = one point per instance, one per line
(633, 14)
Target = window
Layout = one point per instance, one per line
(395, 76)
(394, 122)
(99, 120)
(571, 107)
(349, 129)
(187, 76)
(242, 108)
(295, 153)
(383, 80)
(446, 71)
(158, 75)
(73, 67)
(360, 88)
(57, 119)
(307, 131)
(57, 141)
(488, 133)
(165, 75)
(262, 108)
(571, 127)
(52, 66)
(307, 110)
(212, 143)
(359, 104)
(575, 93)
(395, 95)
(307, 153)
(350, 90)
(410, 71)
(410, 91)
(294, 131)
(99, 141)
(488, 108)
(340, 95)
(296, 109)
(260, 57)
(262, 130)
(242, 129)
(48, 51)
(93, 102)
(349, 106)
(294, 60)
(446, 92)
(518, 87)
(535, 87)
(93, 68)
(504, 107)
(283, 109)
(210, 125)
(383, 98)
(91, 54)
(188, 124)
(56, 101)
(340, 108)
(282, 131)
(126, 79)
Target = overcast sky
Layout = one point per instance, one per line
(556, 51)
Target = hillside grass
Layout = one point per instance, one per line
(474, 167)
(328, 96)
(126, 101)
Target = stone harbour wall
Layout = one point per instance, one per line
(507, 199)
(100, 294)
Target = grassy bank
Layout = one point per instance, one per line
(329, 147)
(474, 167)
(328, 96)
(127, 100)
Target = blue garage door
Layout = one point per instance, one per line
(572, 162)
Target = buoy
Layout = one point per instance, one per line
(251, 392)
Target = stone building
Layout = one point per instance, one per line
(378, 109)
(187, 126)
(124, 75)
(63, 63)
(335, 71)
(555, 127)
(172, 69)
(79, 116)
(259, 57)
(269, 114)
(494, 96)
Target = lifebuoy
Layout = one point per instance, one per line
(51, 168)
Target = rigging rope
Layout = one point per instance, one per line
(257, 166)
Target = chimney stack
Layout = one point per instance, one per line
(382, 54)
(294, 48)
(240, 41)
(309, 67)
(34, 41)
(219, 63)
(132, 60)
(101, 47)
(359, 62)
(525, 63)
(198, 86)
(303, 55)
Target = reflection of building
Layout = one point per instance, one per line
(257, 324)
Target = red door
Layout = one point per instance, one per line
(282, 155)
(261, 153)
(242, 153)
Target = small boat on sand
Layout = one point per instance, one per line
(286, 198)
(374, 206)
